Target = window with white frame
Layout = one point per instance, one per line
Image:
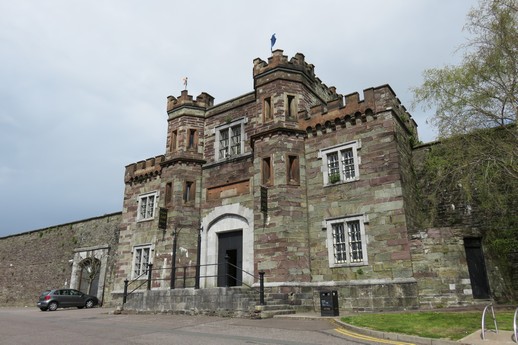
(230, 139)
(340, 163)
(347, 245)
(141, 259)
(146, 206)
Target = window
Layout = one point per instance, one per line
(266, 171)
(193, 138)
(169, 193)
(141, 259)
(291, 108)
(340, 163)
(230, 140)
(346, 242)
(268, 113)
(174, 139)
(146, 206)
(189, 191)
(293, 170)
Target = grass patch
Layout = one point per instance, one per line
(447, 325)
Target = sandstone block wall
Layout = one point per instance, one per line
(34, 261)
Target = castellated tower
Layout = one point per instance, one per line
(285, 91)
(292, 179)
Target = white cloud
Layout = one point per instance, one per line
(84, 84)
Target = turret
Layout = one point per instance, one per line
(185, 124)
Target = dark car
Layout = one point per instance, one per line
(64, 298)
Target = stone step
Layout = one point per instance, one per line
(269, 311)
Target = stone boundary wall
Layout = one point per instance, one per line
(357, 296)
(42, 259)
(226, 302)
(241, 302)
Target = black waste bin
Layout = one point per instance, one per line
(329, 303)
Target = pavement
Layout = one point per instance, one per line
(491, 337)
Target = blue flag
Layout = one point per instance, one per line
(272, 40)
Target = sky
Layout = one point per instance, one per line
(83, 84)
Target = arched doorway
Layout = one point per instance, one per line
(89, 276)
(227, 242)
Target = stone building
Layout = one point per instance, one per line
(314, 188)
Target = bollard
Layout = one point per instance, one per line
(261, 288)
(125, 291)
(149, 271)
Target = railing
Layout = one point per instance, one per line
(187, 276)
(514, 326)
(489, 306)
(137, 280)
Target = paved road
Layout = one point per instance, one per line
(98, 326)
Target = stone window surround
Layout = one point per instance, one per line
(267, 172)
(323, 154)
(134, 251)
(291, 106)
(267, 109)
(327, 224)
(292, 169)
(141, 197)
(241, 121)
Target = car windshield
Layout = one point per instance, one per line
(45, 293)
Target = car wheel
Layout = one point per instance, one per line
(89, 303)
(53, 306)
(43, 309)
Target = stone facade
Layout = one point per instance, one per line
(317, 190)
(220, 158)
(54, 257)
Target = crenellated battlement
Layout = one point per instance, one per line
(296, 69)
(350, 109)
(204, 100)
(279, 60)
(144, 169)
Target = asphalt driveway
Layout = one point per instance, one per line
(100, 326)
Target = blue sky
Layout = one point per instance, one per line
(84, 83)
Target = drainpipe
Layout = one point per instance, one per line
(198, 257)
(173, 263)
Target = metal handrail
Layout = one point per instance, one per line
(514, 326)
(242, 270)
(484, 320)
(127, 283)
(150, 269)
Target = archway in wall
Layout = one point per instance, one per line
(89, 268)
(89, 276)
(227, 231)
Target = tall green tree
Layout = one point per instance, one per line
(482, 91)
(476, 114)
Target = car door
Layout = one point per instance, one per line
(63, 298)
(76, 298)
